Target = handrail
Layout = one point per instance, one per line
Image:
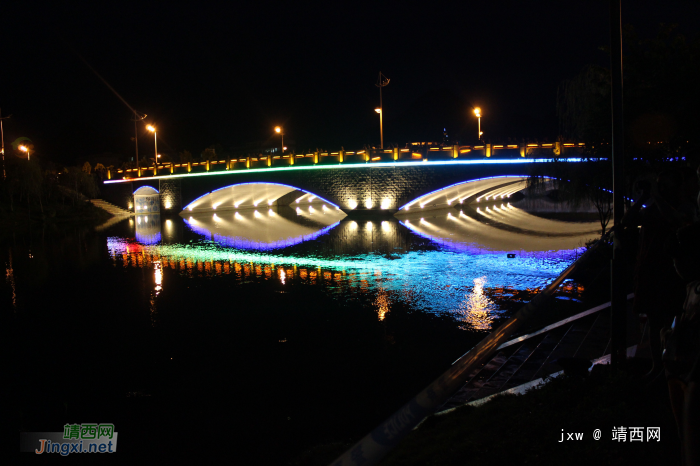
(375, 445)
(561, 323)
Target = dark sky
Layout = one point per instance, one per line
(208, 73)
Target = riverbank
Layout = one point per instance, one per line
(23, 218)
(520, 429)
(528, 429)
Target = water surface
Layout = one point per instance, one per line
(300, 325)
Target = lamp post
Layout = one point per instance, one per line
(477, 112)
(383, 81)
(152, 129)
(381, 127)
(24, 149)
(278, 130)
(136, 134)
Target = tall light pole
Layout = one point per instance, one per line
(2, 137)
(278, 130)
(381, 126)
(136, 134)
(618, 299)
(477, 112)
(152, 129)
(383, 81)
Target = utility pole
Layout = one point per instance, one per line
(2, 136)
(618, 297)
(136, 134)
(383, 81)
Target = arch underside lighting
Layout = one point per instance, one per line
(480, 190)
(253, 196)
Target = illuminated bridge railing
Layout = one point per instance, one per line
(424, 153)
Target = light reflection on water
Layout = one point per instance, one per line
(477, 311)
(449, 261)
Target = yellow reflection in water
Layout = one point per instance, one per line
(158, 278)
(476, 310)
(10, 277)
(282, 275)
(382, 303)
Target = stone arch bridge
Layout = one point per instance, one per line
(384, 186)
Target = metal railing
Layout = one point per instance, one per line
(369, 156)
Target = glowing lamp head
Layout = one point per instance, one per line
(378, 110)
(23, 148)
(477, 112)
(150, 128)
(278, 129)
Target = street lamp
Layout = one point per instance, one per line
(381, 127)
(152, 129)
(278, 130)
(477, 112)
(383, 81)
(24, 149)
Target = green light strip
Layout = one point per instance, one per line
(204, 254)
(351, 165)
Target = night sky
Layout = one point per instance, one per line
(228, 73)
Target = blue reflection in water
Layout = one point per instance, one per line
(457, 271)
(148, 229)
(241, 242)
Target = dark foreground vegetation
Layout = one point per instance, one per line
(527, 429)
(36, 192)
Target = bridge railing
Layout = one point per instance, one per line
(422, 152)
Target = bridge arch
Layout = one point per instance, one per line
(386, 186)
(477, 190)
(146, 200)
(251, 195)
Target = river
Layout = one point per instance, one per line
(256, 334)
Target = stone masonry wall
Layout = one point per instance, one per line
(358, 188)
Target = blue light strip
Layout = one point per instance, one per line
(260, 182)
(357, 165)
(144, 187)
(148, 239)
